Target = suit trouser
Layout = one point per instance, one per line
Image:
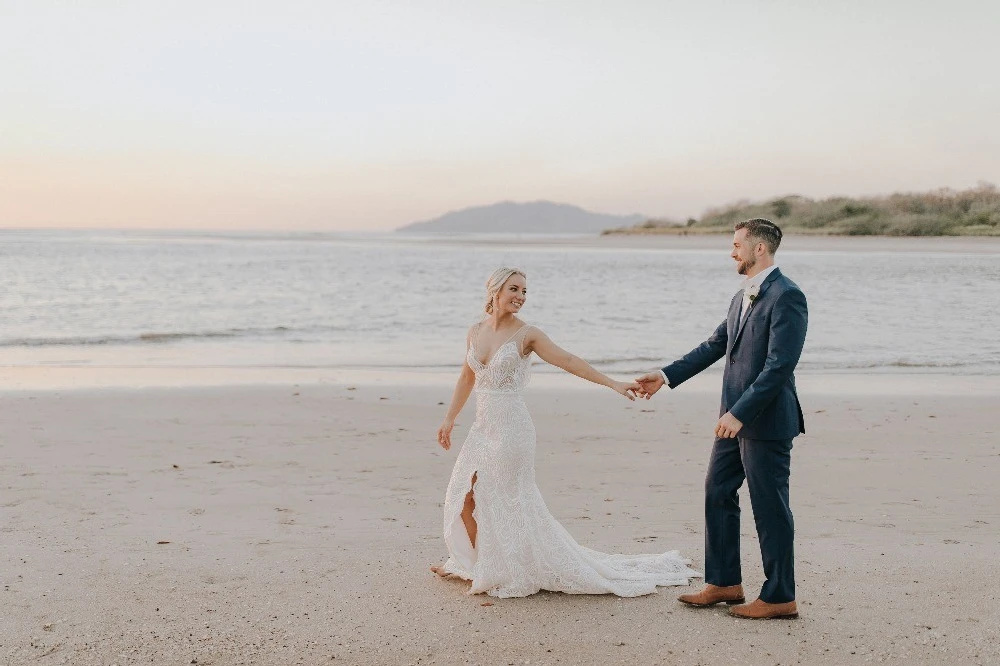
(765, 464)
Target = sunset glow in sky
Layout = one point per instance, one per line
(370, 115)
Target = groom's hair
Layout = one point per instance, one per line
(761, 230)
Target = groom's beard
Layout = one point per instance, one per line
(745, 265)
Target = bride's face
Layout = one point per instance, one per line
(512, 295)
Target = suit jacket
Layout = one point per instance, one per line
(758, 384)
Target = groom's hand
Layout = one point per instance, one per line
(728, 426)
(650, 383)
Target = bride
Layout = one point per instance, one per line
(499, 533)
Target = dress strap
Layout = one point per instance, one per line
(474, 337)
(519, 337)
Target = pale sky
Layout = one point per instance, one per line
(369, 115)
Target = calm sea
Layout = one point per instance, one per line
(390, 301)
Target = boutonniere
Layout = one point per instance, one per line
(753, 291)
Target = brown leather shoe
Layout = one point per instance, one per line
(713, 594)
(761, 610)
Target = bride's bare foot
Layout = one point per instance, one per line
(440, 571)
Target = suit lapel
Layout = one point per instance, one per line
(763, 288)
(733, 320)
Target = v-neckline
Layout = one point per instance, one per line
(496, 351)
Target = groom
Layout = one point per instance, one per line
(761, 340)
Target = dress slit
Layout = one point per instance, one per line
(463, 550)
(472, 492)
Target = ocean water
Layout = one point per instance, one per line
(390, 302)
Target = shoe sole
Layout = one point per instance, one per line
(789, 616)
(728, 602)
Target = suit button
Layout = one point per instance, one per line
(732, 361)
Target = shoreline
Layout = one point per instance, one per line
(639, 241)
(792, 242)
(720, 241)
(20, 379)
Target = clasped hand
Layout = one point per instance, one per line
(649, 384)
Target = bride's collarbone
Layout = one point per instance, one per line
(493, 341)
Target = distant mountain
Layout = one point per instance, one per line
(538, 217)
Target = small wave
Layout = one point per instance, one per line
(626, 359)
(142, 338)
(639, 364)
(644, 364)
(875, 365)
(915, 364)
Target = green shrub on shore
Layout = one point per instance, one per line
(942, 212)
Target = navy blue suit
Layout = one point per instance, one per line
(758, 388)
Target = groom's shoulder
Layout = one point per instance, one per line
(786, 291)
(788, 296)
(785, 283)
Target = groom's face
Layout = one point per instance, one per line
(743, 252)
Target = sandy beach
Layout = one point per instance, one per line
(294, 524)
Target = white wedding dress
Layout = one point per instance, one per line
(520, 548)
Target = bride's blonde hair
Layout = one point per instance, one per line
(497, 279)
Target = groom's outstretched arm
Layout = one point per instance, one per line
(699, 358)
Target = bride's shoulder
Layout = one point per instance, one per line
(471, 335)
(527, 328)
(530, 336)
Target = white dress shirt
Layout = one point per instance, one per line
(745, 306)
(755, 280)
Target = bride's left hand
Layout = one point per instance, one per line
(444, 434)
(626, 389)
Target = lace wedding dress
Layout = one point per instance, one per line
(520, 548)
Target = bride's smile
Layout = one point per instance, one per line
(513, 295)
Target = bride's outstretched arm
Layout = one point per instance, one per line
(553, 354)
